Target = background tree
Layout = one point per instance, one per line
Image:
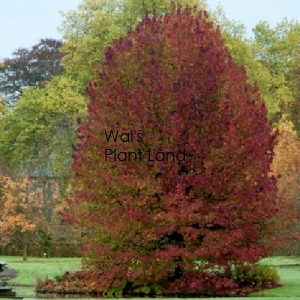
(38, 134)
(286, 165)
(293, 107)
(277, 45)
(277, 49)
(18, 216)
(256, 56)
(150, 221)
(30, 67)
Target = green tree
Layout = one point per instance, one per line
(277, 45)
(38, 134)
(278, 49)
(252, 54)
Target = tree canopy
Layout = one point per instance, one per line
(30, 67)
(39, 132)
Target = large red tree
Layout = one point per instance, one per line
(171, 86)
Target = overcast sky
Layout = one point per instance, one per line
(24, 22)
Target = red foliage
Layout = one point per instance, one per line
(195, 283)
(88, 282)
(172, 86)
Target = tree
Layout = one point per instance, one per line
(277, 48)
(18, 216)
(277, 45)
(286, 166)
(38, 134)
(30, 67)
(254, 55)
(293, 107)
(287, 159)
(171, 86)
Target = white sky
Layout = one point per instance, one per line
(24, 22)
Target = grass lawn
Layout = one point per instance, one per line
(29, 271)
(289, 271)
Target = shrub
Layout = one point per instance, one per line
(263, 276)
(256, 275)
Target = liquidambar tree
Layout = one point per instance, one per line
(171, 171)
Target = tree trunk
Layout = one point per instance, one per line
(24, 248)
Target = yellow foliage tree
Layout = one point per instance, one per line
(20, 211)
(286, 165)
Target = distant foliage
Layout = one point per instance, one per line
(286, 164)
(30, 67)
(173, 222)
(287, 160)
(19, 215)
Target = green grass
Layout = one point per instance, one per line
(39, 268)
(289, 271)
(281, 260)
